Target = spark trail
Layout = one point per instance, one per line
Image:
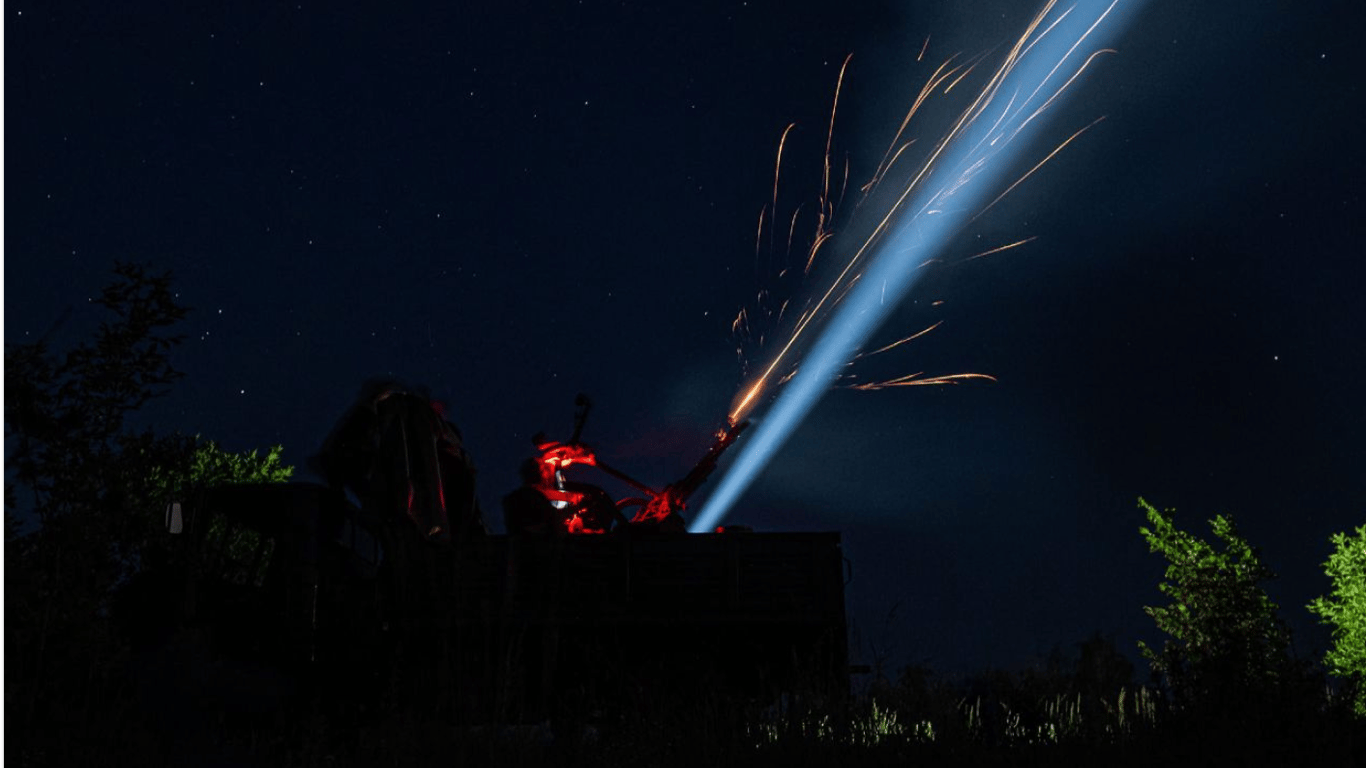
(956, 183)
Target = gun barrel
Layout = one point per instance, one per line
(684, 488)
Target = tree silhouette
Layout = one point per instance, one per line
(1227, 647)
(93, 492)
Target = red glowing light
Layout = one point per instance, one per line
(660, 507)
(593, 511)
(575, 525)
(560, 455)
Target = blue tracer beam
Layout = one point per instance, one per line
(964, 177)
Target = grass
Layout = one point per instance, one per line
(185, 706)
(914, 722)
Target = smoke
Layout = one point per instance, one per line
(965, 176)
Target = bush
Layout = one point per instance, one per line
(1227, 648)
(1345, 610)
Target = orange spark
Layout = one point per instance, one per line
(778, 165)
(821, 237)
(1065, 85)
(914, 380)
(759, 236)
(965, 73)
(792, 228)
(896, 344)
(924, 94)
(998, 249)
(1037, 166)
(830, 134)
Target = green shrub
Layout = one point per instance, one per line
(1345, 610)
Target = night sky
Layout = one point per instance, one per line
(512, 203)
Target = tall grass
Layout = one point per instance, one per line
(703, 725)
(1058, 719)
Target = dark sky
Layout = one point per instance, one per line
(511, 203)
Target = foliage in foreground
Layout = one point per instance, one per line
(93, 491)
(1226, 647)
(1345, 610)
(998, 719)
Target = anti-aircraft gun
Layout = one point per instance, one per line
(360, 599)
(659, 510)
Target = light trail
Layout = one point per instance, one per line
(1001, 248)
(914, 380)
(960, 173)
(896, 344)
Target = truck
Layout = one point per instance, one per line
(296, 578)
(357, 606)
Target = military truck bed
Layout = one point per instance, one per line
(704, 578)
(359, 597)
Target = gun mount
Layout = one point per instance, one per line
(357, 601)
(659, 509)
